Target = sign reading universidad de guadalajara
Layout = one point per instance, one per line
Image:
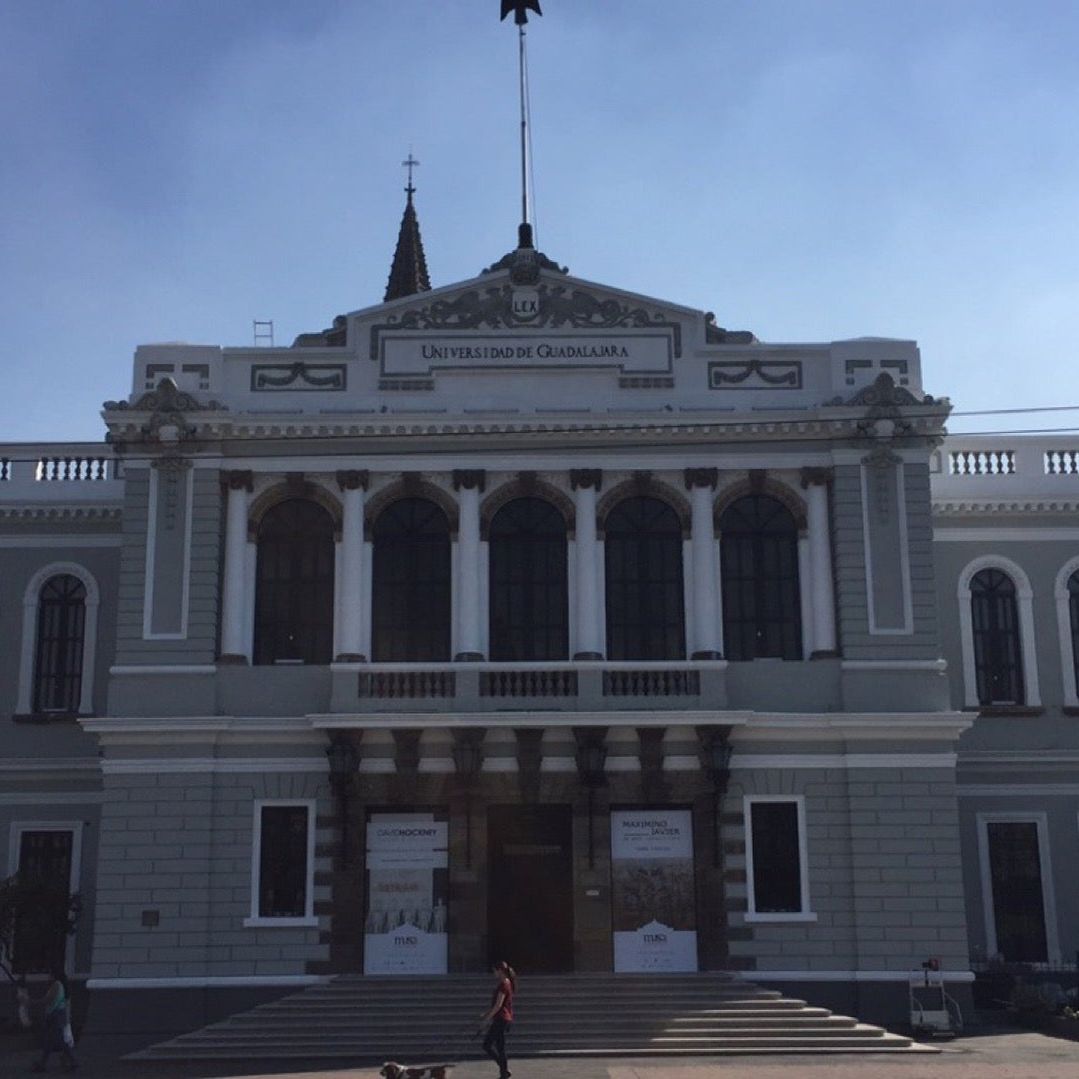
(652, 890)
(416, 354)
(407, 886)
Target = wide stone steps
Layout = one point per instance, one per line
(366, 1020)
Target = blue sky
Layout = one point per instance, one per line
(808, 170)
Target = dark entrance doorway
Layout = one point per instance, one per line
(530, 886)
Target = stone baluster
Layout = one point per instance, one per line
(237, 487)
(822, 613)
(586, 484)
(355, 604)
(469, 484)
(701, 484)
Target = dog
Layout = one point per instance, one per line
(392, 1070)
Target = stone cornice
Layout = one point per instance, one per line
(59, 511)
(981, 507)
(653, 429)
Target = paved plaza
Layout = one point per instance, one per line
(997, 1055)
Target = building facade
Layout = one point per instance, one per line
(528, 618)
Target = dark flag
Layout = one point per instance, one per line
(520, 9)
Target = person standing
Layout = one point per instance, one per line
(54, 1033)
(499, 1016)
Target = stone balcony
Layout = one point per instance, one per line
(969, 472)
(58, 478)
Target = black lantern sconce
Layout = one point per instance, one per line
(716, 752)
(344, 761)
(592, 770)
(467, 763)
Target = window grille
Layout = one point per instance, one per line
(759, 563)
(528, 591)
(294, 584)
(61, 632)
(645, 594)
(998, 664)
(410, 599)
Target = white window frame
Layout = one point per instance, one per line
(1027, 645)
(1064, 629)
(1041, 820)
(308, 919)
(30, 604)
(18, 827)
(805, 914)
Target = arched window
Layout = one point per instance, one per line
(528, 605)
(61, 631)
(998, 656)
(645, 594)
(411, 578)
(1073, 622)
(759, 568)
(294, 584)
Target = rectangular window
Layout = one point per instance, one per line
(283, 869)
(776, 871)
(1015, 877)
(47, 857)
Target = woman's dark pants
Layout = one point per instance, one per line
(494, 1044)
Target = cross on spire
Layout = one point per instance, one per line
(409, 163)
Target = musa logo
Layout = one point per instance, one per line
(655, 938)
(407, 942)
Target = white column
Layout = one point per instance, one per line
(822, 613)
(350, 615)
(586, 482)
(235, 598)
(468, 484)
(702, 484)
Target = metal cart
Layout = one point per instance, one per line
(932, 1010)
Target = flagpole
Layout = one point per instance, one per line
(526, 229)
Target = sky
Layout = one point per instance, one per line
(810, 170)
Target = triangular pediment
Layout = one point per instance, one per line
(491, 322)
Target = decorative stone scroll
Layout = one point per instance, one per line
(269, 377)
(755, 374)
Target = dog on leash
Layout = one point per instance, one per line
(392, 1070)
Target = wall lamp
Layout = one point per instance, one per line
(592, 770)
(468, 763)
(344, 759)
(716, 752)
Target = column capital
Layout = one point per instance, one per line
(353, 479)
(701, 477)
(586, 477)
(816, 476)
(469, 478)
(237, 481)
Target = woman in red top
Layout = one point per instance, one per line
(499, 1016)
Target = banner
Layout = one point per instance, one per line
(405, 928)
(652, 890)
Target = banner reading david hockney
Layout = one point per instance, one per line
(406, 894)
(655, 923)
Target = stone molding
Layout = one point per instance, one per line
(701, 477)
(587, 478)
(527, 485)
(759, 482)
(645, 485)
(353, 480)
(409, 485)
(470, 478)
(293, 486)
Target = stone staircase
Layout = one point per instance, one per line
(419, 1020)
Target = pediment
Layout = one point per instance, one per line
(492, 323)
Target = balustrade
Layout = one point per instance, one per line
(528, 683)
(651, 683)
(408, 685)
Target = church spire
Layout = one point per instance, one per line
(408, 274)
